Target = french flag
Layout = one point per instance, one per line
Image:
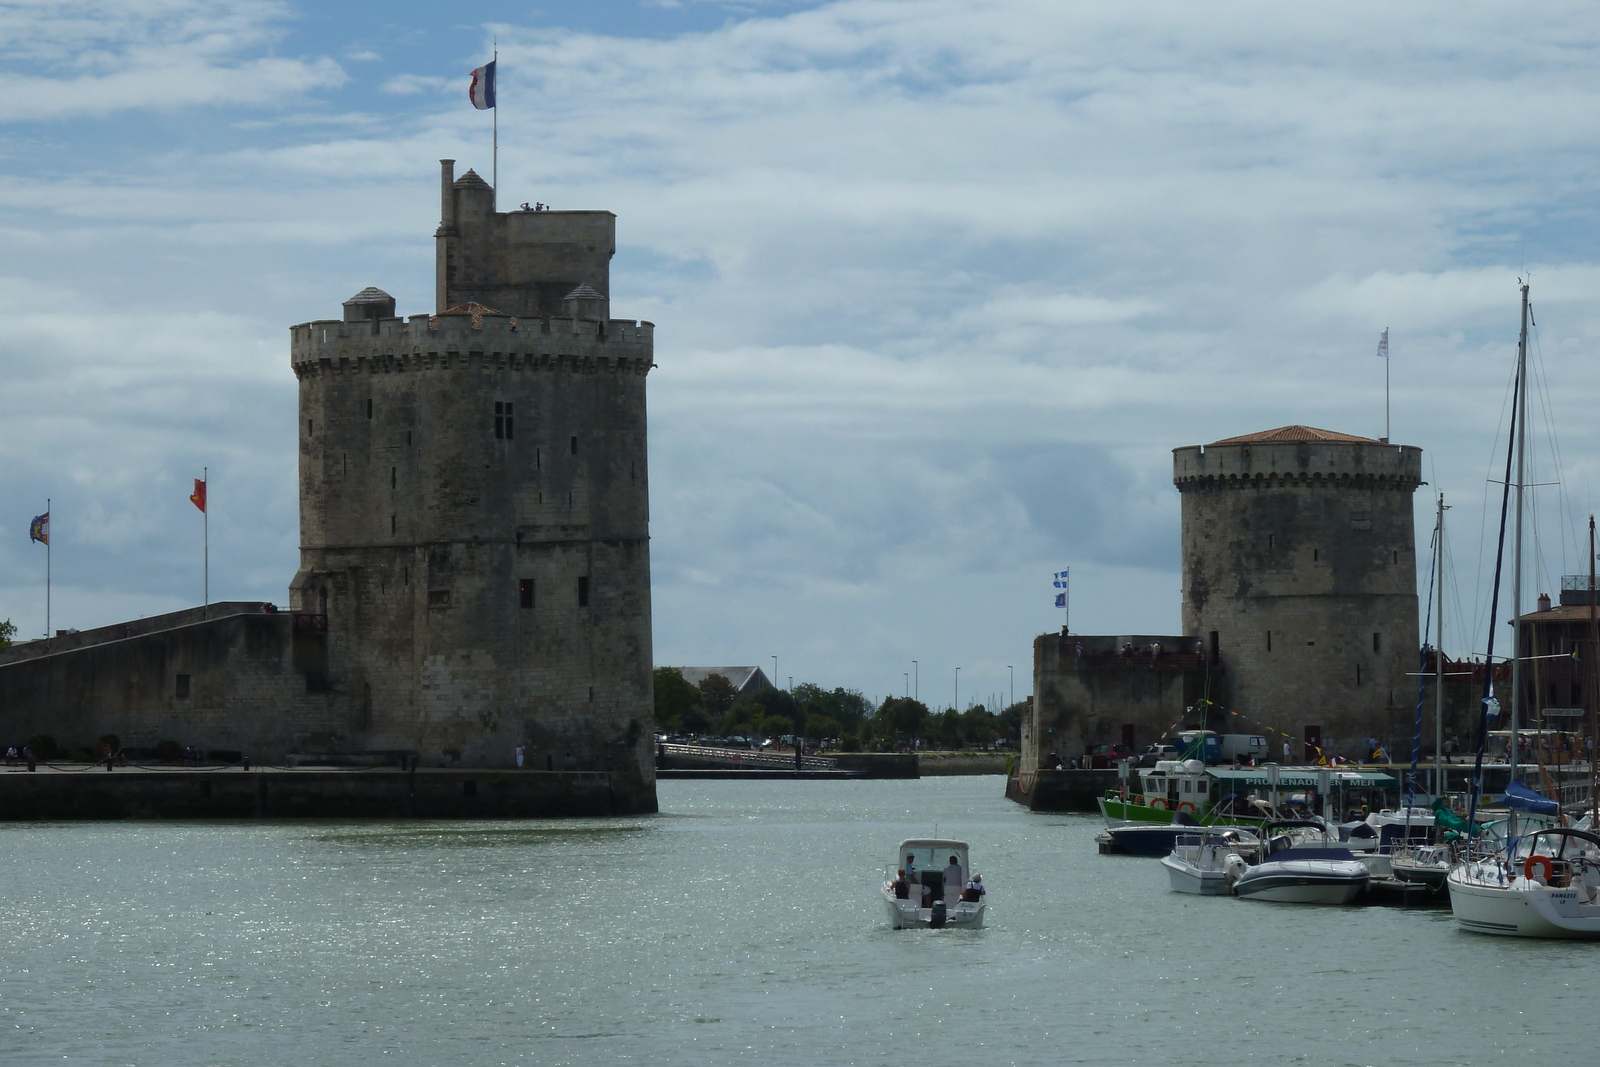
(481, 91)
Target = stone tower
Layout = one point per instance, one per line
(1299, 574)
(474, 503)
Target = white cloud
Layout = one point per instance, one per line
(91, 57)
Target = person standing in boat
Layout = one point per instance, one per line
(973, 893)
(952, 881)
(922, 891)
(902, 888)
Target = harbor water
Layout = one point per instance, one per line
(741, 925)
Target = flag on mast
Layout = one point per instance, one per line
(39, 529)
(1383, 344)
(198, 497)
(481, 91)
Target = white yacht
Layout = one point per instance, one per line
(1547, 885)
(929, 901)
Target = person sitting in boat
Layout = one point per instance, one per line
(974, 890)
(902, 888)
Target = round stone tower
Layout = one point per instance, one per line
(474, 505)
(1299, 577)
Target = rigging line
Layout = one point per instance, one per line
(1507, 402)
(1542, 384)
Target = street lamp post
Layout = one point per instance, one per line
(907, 676)
(774, 672)
(916, 675)
(1013, 672)
(958, 689)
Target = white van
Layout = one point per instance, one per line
(1243, 746)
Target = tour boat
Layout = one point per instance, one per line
(1198, 863)
(1546, 885)
(946, 909)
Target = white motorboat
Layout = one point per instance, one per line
(1300, 873)
(931, 901)
(1198, 863)
(1548, 885)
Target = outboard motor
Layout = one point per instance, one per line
(936, 918)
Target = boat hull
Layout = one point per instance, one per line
(1303, 883)
(1187, 878)
(964, 915)
(1521, 910)
(1434, 878)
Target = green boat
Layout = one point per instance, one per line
(1221, 796)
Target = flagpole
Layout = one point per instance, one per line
(47, 568)
(494, 198)
(205, 516)
(1386, 433)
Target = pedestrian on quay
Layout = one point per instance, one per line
(520, 752)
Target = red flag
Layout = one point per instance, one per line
(198, 497)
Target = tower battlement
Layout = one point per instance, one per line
(1311, 464)
(429, 342)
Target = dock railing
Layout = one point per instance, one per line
(748, 757)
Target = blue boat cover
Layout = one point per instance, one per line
(1522, 798)
(1310, 854)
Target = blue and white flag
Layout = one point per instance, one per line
(481, 91)
(1383, 344)
(1061, 600)
(1491, 707)
(1061, 578)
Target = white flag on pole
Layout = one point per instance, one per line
(1383, 344)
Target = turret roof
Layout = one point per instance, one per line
(471, 180)
(583, 292)
(1296, 433)
(370, 295)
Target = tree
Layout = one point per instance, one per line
(8, 631)
(717, 694)
(675, 698)
(901, 719)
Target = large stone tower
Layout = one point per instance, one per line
(1299, 572)
(474, 503)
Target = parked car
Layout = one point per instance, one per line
(1105, 755)
(1150, 756)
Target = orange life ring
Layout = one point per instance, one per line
(1159, 803)
(1186, 806)
(1139, 799)
(1543, 861)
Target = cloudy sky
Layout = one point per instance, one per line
(938, 284)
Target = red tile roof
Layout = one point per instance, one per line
(1295, 433)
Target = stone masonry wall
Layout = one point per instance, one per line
(246, 691)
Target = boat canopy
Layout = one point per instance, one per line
(933, 853)
(1522, 798)
(1296, 777)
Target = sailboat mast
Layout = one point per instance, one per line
(1594, 689)
(1521, 417)
(1438, 656)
